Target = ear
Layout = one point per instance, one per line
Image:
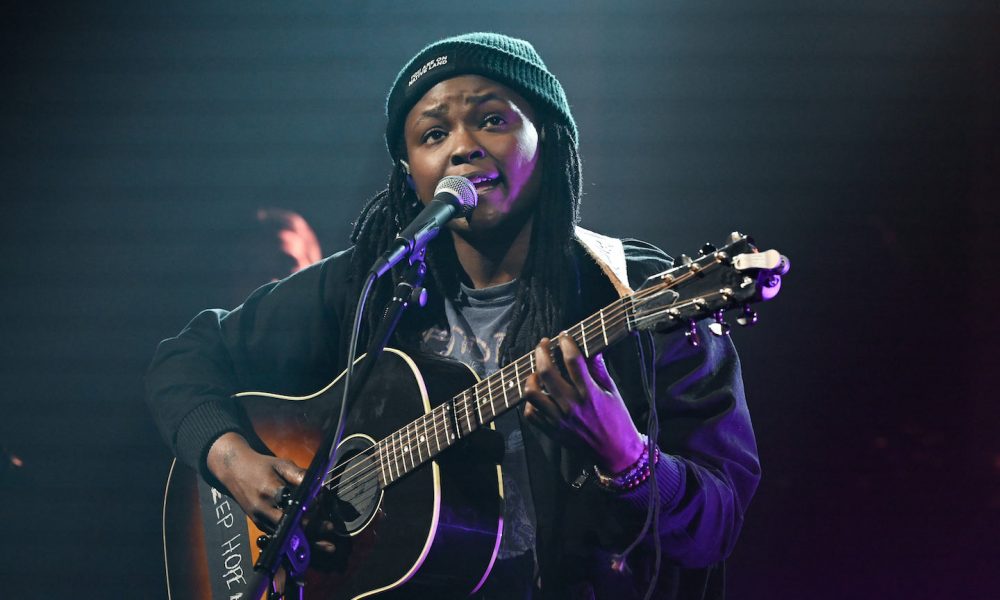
(406, 169)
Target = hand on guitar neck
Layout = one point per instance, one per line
(586, 410)
(256, 482)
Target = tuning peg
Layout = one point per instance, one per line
(706, 250)
(692, 334)
(720, 327)
(263, 541)
(748, 318)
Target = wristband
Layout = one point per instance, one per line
(632, 476)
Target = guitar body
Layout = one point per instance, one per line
(433, 533)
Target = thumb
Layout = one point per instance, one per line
(599, 371)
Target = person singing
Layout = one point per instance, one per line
(577, 470)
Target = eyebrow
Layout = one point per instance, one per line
(435, 112)
(482, 98)
(439, 111)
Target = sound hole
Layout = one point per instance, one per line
(354, 483)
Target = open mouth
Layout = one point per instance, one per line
(483, 182)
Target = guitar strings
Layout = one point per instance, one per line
(397, 448)
(364, 477)
(354, 473)
(397, 452)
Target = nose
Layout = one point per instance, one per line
(466, 147)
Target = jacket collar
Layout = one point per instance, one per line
(609, 254)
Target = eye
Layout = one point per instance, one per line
(432, 135)
(494, 120)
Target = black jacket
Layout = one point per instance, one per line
(287, 338)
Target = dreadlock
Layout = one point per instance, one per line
(548, 289)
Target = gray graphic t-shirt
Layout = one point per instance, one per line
(477, 323)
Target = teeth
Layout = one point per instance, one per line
(481, 179)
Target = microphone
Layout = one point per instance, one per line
(454, 197)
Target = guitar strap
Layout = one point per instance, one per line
(227, 544)
(609, 254)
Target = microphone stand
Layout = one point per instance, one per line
(288, 546)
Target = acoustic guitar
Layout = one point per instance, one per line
(417, 494)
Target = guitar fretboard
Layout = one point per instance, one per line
(479, 405)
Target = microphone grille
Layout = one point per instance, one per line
(463, 191)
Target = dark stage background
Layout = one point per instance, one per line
(860, 138)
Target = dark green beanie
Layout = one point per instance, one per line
(504, 59)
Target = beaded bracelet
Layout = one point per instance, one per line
(633, 476)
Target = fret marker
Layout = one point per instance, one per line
(422, 438)
(406, 448)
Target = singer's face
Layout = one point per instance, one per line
(476, 128)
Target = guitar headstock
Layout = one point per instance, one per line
(732, 277)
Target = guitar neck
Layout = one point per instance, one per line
(478, 406)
